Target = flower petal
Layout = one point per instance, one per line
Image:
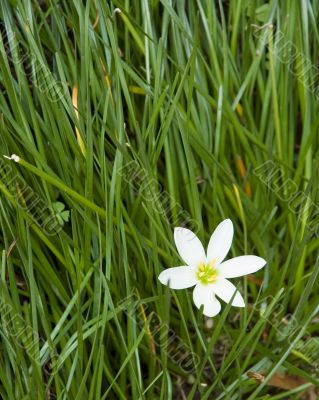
(220, 241)
(189, 246)
(178, 277)
(226, 290)
(204, 294)
(240, 266)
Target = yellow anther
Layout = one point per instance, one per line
(207, 273)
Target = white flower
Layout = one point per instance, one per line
(209, 272)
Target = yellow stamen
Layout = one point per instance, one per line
(207, 273)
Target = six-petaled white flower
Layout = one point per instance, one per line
(208, 271)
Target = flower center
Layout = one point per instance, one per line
(207, 273)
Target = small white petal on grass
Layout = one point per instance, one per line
(204, 295)
(13, 157)
(226, 290)
(239, 266)
(220, 241)
(190, 248)
(178, 277)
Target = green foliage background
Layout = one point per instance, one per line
(197, 96)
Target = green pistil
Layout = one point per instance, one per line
(206, 273)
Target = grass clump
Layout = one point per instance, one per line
(132, 118)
